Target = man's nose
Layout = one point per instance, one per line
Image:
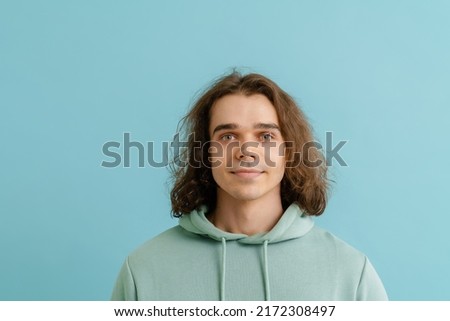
(247, 151)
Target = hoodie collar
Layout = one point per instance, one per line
(292, 224)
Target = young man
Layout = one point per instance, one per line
(245, 200)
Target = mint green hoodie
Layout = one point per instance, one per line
(294, 261)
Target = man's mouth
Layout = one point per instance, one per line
(247, 173)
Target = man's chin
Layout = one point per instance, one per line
(246, 196)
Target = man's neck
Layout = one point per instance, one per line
(246, 217)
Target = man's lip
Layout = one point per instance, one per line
(247, 173)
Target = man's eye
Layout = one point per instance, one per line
(266, 136)
(227, 137)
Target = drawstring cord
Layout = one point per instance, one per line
(266, 272)
(224, 259)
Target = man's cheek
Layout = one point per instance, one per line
(215, 154)
(229, 150)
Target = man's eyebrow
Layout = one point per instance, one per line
(267, 126)
(256, 126)
(225, 126)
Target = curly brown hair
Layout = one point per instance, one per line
(305, 180)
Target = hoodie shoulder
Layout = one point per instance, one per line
(170, 239)
(351, 264)
(345, 251)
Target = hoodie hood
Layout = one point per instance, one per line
(292, 224)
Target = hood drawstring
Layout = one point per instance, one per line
(224, 260)
(266, 272)
(294, 223)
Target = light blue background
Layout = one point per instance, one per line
(76, 74)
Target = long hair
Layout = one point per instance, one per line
(305, 181)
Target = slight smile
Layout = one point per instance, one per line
(247, 173)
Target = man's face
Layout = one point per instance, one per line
(246, 153)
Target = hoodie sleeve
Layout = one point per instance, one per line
(125, 289)
(370, 287)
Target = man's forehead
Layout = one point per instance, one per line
(243, 111)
